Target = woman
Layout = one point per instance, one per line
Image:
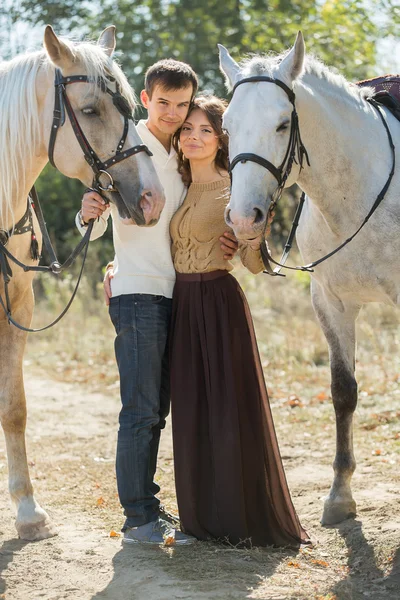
(229, 477)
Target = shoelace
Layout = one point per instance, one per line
(164, 514)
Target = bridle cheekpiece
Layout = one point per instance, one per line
(295, 145)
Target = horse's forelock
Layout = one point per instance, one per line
(258, 65)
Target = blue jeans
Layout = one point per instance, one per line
(141, 322)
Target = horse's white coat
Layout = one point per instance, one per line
(350, 162)
(26, 108)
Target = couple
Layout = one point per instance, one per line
(198, 347)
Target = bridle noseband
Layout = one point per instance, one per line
(62, 103)
(295, 145)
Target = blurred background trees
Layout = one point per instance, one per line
(344, 34)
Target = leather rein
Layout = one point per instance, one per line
(281, 173)
(99, 168)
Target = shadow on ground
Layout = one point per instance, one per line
(7, 551)
(365, 578)
(206, 570)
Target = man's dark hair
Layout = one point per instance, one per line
(170, 74)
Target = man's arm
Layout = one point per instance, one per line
(229, 245)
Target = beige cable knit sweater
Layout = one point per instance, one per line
(197, 226)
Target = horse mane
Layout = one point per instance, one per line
(19, 122)
(269, 65)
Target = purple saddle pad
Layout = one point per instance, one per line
(387, 91)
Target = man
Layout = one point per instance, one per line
(139, 291)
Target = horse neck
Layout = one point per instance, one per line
(344, 138)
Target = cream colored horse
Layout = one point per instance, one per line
(26, 109)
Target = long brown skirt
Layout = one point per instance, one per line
(230, 481)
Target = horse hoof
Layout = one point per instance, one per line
(33, 532)
(338, 511)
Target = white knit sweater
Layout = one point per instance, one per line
(142, 262)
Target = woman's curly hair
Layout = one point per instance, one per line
(213, 107)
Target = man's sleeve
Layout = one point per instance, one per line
(99, 226)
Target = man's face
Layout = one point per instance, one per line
(167, 109)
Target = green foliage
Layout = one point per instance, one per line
(340, 32)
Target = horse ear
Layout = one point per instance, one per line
(293, 63)
(228, 66)
(107, 40)
(59, 53)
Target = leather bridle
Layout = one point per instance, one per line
(295, 144)
(62, 104)
(281, 173)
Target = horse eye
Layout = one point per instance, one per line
(283, 126)
(88, 111)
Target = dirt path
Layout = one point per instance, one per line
(71, 444)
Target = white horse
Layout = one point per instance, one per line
(27, 96)
(350, 161)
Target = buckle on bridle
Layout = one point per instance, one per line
(110, 187)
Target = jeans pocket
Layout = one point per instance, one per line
(156, 298)
(113, 310)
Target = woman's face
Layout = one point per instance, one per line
(198, 139)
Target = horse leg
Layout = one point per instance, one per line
(339, 330)
(32, 522)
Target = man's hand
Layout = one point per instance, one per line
(229, 245)
(109, 274)
(93, 206)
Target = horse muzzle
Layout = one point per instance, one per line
(151, 205)
(249, 223)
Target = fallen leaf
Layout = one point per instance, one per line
(169, 541)
(100, 501)
(293, 564)
(294, 402)
(114, 533)
(321, 563)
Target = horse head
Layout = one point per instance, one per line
(101, 107)
(263, 146)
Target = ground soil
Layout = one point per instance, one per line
(71, 445)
